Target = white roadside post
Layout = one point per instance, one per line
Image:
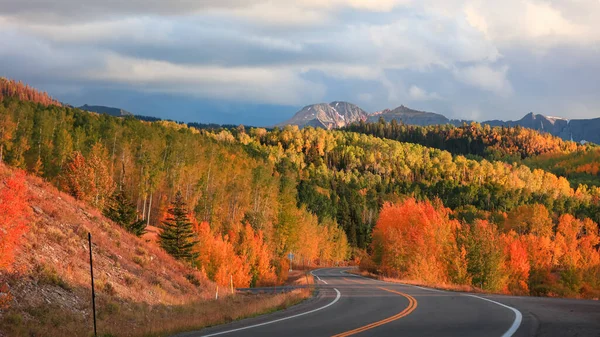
(291, 257)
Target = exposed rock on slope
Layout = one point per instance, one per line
(328, 116)
(340, 114)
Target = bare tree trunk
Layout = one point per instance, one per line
(112, 159)
(144, 209)
(207, 202)
(149, 210)
(122, 178)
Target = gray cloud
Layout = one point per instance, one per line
(464, 58)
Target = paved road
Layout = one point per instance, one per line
(349, 305)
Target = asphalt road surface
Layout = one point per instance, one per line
(349, 305)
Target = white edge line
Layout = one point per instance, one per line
(392, 283)
(513, 328)
(337, 297)
(368, 278)
(318, 278)
(430, 289)
(518, 316)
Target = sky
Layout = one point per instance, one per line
(256, 62)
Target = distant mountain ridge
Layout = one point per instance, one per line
(409, 116)
(340, 114)
(578, 130)
(106, 110)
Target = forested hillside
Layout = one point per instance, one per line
(241, 207)
(140, 289)
(492, 143)
(577, 162)
(12, 88)
(349, 176)
(239, 200)
(508, 228)
(580, 167)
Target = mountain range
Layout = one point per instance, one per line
(340, 114)
(327, 115)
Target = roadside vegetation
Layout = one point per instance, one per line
(141, 290)
(139, 319)
(528, 254)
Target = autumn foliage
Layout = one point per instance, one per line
(89, 179)
(14, 212)
(12, 88)
(474, 138)
(418, 241)
(218, 260)
(253, 196)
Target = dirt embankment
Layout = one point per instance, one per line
(141, 290)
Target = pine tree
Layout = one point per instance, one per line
(178, 237)
(123, 212)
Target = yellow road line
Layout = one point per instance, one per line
(412, 305)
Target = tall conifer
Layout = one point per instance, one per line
(123, 212)
(178, 237)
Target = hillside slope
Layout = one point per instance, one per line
(138, 286)
(580, 167)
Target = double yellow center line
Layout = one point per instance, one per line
(412, 305)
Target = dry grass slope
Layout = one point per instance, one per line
(141, 290)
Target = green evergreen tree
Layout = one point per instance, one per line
(123, 212)
(177, 237)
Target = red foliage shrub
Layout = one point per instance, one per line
(14, 213)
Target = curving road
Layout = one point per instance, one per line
(350, 305)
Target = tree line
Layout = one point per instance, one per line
(349, 176)
(237, 202)
(493, 143)
(526, 253)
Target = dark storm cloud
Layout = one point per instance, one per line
(463, 58)
(92, 10)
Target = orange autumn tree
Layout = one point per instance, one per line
(256, 254)
(14, 212)
(517, 263)
(540, 250)
(577, 254)
(89, 179)
(416, 240)
(533, 219)
(218, 260)
(79, 178)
